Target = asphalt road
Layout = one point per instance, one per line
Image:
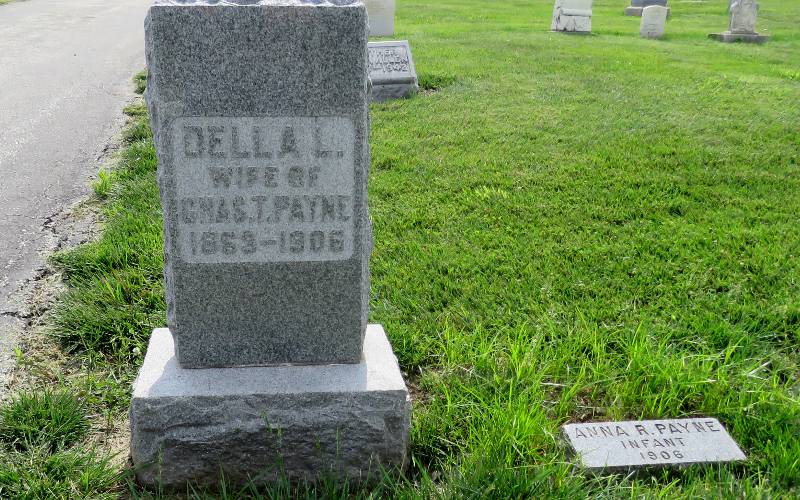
(65, 74)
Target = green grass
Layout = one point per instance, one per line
(140, 82)
(42, 450)
(51, 419)
(63, 475)
(566, 229)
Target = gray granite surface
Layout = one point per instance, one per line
(391, 70)
(651, 443)
(256, 422)
(259, 112)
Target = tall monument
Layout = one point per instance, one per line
(267, 366)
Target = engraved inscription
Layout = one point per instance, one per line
(652, 442)
(388, 60)
(264, 189)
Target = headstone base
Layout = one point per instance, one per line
(571, 32)
(728, 37)
(260, 423)
(637, 11)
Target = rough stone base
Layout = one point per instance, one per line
(728, 37)
(259, 423)
(637, 11)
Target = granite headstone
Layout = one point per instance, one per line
(651, 443)
(391, 70)
(260, 119)
(572, 16)
(654, 18)
(263, 154)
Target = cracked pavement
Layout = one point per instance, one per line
(65, 75)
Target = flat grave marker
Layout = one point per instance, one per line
(649, 443)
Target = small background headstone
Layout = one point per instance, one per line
(654, 18)
(572, 16)
(637, 6)
(381, 17)
(742, 25)
(648, 443)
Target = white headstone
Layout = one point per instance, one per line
(743, 16)
(572, 16)
(381, 17)
(654, 17)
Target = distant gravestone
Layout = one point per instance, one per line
(742, 26)
(572, 16)
(648, 443)
(391, 70)
(654, 18)
(381, 17)
(637, 6)
(267, 367)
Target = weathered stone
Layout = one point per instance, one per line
(742, 26)
(391, 70)
(381, 17)
(259, 114)
(572, 16)
(743, 16)
(651, 443)
(259, 422)
(637, 6)
(654, 17)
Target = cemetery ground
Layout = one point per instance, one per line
(567, 228)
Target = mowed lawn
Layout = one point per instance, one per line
(567, 228)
